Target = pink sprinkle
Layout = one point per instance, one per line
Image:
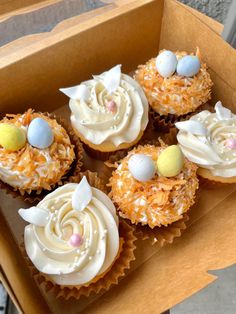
(76, 240)
(231, 143)
(111, 106)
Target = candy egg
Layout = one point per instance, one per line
(170, 162)
(141, 167)
(166, 63)
(40, 134)
(188, 66)
(11, 137)
(111, 106)
(76, 240)
(231, 143)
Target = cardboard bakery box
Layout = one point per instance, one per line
(32, 69)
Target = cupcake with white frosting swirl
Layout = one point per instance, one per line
(109, 112)
(209, 140)
(73, 236)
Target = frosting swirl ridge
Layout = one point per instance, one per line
(204, 139)
(48, 236)
(93, 119)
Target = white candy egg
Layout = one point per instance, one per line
(166, 63)
(141, 167)
(188, 66)
(40, 134)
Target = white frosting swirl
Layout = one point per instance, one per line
(49, 248)
(203, 140)
(93, 120)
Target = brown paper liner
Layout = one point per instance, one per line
(35, 196)
(211, 182)
(165, 123)
(157, 235)
(162, 235)
(170, 137)
(112, 275)
(96, 154)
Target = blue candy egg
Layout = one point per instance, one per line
(188, 66)
(40, 134)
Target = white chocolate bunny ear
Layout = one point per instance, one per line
(82, 195)
(222, 112)
(198, 53)
(111, 78)
(79, 92)
(35, 215)
(194, 127)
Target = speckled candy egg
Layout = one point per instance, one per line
(40, 134)
(170, 162)
(11, 137)
(141, 167)
(166, 63)
(188, 66)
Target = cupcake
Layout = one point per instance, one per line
(175, 84)
(108, 113)
(154, 185)
(209, 140)
(73, 239)
(36, 152)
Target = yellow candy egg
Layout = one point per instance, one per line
(170, 162)
(11, 137)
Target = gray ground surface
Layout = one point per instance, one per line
(218, 298)
(217, 9)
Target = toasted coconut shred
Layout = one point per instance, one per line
(29, 168)
(177, 94)
(158, 202)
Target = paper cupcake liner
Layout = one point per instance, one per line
(96, 154)
(112, 275)
(157, 235)
(36, 195)
(170, 137)
(165, 123)
(162, 235)
(215, 182)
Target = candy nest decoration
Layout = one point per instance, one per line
(75, 240)
(37, 152)
(108, 113)
(175, 84)
(154, 187)
(209, 140)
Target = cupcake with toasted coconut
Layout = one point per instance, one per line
(154, 185)
(209, 140)
(36, 152)
(176, 84)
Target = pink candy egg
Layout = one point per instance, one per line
(111, 106)
(76, 240)
(231, 143)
